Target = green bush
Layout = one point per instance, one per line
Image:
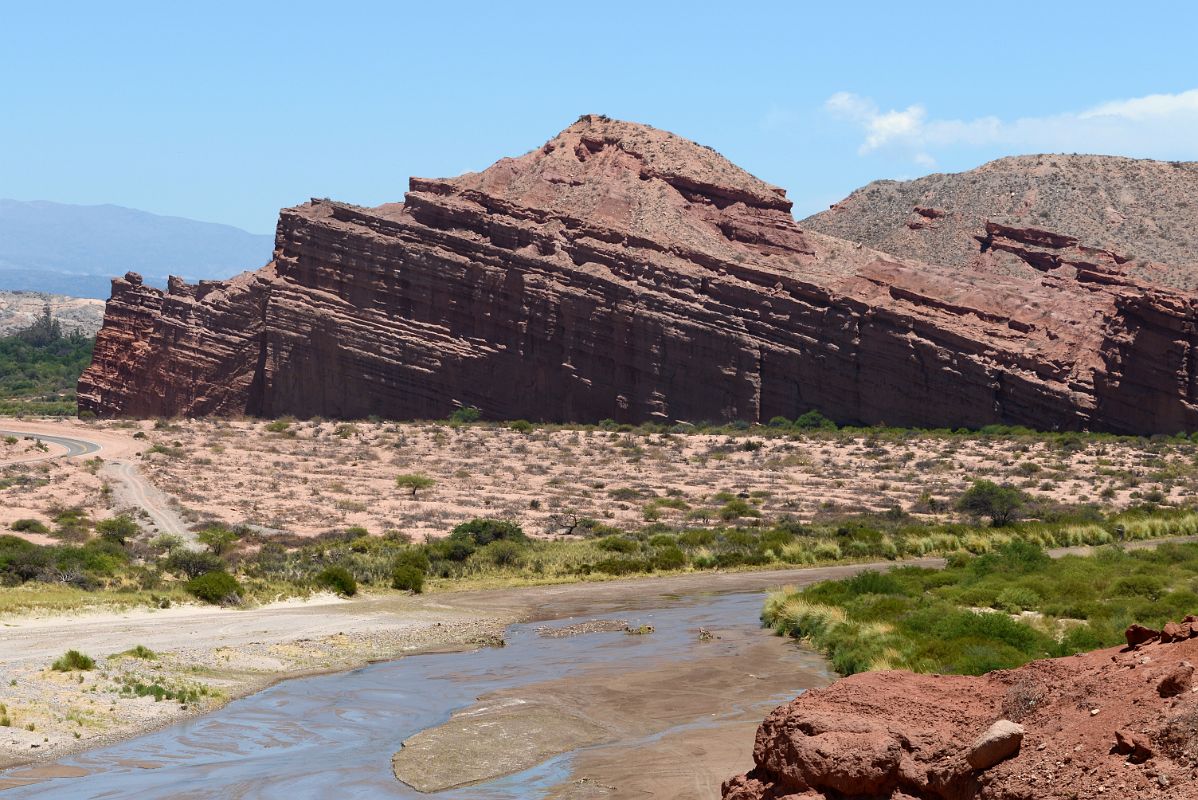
(621, 566)
(465, 414)
(1015, 599)
(192, 563)
(218, 539)
(29, 526)
(813, 420)
(617, 544)
(73, 660)
(668, 558)
(503, 553)
(118, 529)
(1002, 504)
(412, 558)
(218, 588)
(484, 531)
(407, 578)
(338, 579)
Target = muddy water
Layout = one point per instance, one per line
(664, 699)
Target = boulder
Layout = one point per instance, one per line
(1000, 742)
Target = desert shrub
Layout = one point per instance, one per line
(668, 558)
(142, 652)
(407, 578)
(1014, 599)
(503, 553)
(451, 549)
(465, 414)
(412, 558)
(736, 508)
(192, 563)
(218, 588)
(813, 420)
(617, 544)
(520, 426)
(696, 538)
(73, 660)
(20, 560)
(338, 579)
(29, 526)
(217, 538)
(484, 531)
(118, 529)
(1002, 504)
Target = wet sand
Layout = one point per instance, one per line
(649, 692)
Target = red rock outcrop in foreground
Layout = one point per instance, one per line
(623, 272)
(1111, 723)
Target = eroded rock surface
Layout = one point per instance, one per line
(623, 272)
(1088, 726)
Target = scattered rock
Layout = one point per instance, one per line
(1000, 742)
(1092, 715)
(1134, 745)
(1138, 634)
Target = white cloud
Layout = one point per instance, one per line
(1157, 126)
(1148, 107)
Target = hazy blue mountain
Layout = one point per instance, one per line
(76, 250)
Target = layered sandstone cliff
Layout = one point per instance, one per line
(623, 272)
(1119, 723)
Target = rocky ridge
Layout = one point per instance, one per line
(623, 272)
(1143, 208)
(1116, 723)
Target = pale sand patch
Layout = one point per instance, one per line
(321, 476)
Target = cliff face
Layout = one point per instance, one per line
(619, 271)
(1116, 723)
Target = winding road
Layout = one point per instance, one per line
(134, 490)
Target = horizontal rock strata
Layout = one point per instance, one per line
(622, 272)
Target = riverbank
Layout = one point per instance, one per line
(233, 653)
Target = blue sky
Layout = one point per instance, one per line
(227, 111)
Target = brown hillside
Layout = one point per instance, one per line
(1145, 210)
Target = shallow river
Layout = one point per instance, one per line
(334, 735)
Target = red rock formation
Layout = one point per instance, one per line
(1092, 725)
(619, 271)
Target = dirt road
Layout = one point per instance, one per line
(131, 489)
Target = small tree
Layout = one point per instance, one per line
(1002, 504)
(118, 529)
(414, 482)
(218, 539)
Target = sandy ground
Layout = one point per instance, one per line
(320, 476)
(715, 698)
(43, 478)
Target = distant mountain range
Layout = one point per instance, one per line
(76, 250)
